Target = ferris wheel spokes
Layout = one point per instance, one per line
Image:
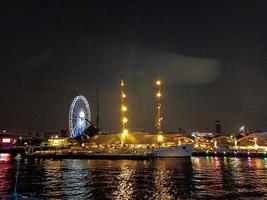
(79, 116)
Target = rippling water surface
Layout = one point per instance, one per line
(180, 178)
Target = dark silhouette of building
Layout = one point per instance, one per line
(91, 131)
(63, 133)
(218, 127)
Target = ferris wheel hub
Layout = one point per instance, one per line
(82, 114)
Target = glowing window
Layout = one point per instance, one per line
(6, 140)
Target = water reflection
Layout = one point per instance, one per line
(173, 179)
(125, 186)
(74, 175)
(229, 178)
(5, 157)
(195, 178)
(5, 179)
(161, 174)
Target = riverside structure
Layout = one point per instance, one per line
(139, 145)
(130, 144)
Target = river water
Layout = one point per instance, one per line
(180, 178)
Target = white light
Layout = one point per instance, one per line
(242, 129)
(6, 140)
(82, 114)
(125, 131)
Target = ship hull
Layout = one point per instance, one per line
(178, 151)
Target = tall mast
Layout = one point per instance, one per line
(124, 119)
(158, 105)
(97, 107)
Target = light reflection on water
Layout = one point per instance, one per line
(125, 184)
(5, 179)
(181, 178)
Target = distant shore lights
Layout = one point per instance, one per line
(158, 105)
(124, 119)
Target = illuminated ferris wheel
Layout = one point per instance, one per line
(79, 116)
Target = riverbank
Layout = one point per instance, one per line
(230, 154)
(132, 156)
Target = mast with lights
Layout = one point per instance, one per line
(124, 119)
(158, 105)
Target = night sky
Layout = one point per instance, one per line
(211, 56)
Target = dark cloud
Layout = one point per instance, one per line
(211, 58)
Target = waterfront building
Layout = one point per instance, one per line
(55, 142)
(223, 143)
(254, 142)
(203, 144)
(7, 141)
(218, 127)
(202, 140)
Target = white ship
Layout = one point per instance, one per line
(174, 151)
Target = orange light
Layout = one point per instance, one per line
(160, 138)
(123, 108)
(124, 120)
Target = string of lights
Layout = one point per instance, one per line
(124, 118)
(158, 105)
